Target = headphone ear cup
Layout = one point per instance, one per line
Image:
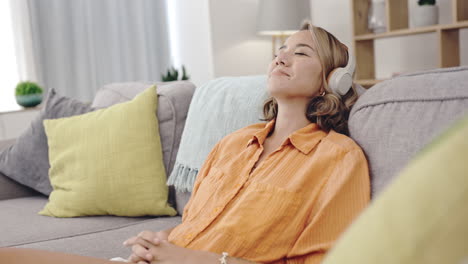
(334, 79)
(330, 76)
(345, 83)
(340, 81)
(331, 79)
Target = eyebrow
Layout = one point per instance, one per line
(299, 45)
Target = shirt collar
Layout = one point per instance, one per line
(304, 139)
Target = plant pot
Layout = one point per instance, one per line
(29, 100)
(425, 15)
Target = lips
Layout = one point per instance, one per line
(280, 72)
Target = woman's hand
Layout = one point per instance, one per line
(142, 242)
(167, 253)
(149, 249)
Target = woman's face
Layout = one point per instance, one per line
(296, 71)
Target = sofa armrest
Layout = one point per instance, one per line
(9, 189)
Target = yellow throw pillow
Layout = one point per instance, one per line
(108, 162)
(422, 217)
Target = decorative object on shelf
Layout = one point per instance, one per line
(281, 18)
(173, 75)
(377, 17)
(28, 94)
(425, 14)
(398, 17)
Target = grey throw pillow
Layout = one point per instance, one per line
(27, 161)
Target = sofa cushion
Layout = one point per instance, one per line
(21, 225)
(394, 119)
(105, 243)
(27, 161)
(173, 104)
(9, 188)
(421, 217)
(108, 162)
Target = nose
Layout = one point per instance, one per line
(281, 58)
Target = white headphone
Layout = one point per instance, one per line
(341, 79)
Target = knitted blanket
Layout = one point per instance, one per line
(218, 108)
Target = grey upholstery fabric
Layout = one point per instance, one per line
(6, 143)
(104, 244)
(10, 189)
(20, 223)
(394, 119)
(27, 161)
(173, 103)
(182, 199)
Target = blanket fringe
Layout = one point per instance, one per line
(182, 177)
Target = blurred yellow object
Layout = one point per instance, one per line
(422, 216)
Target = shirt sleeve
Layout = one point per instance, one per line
(205, 169)
(344, 195)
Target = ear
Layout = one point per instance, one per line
(321, 90)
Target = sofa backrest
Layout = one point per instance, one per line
(173, 103)
(396, 118)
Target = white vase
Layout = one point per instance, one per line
(425, 15)
(377, 17)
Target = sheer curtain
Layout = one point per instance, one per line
(76, 46)
(8, 66)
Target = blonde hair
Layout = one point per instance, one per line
(329, 111)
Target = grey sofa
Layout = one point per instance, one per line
(392, 122)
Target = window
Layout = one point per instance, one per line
(9, 76)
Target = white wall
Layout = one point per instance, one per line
(237, 50)
(190, 37)
(334, 16)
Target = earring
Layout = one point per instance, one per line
(323, 93)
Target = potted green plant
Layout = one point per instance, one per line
(173, 75)
(28, 94)
(426, 13)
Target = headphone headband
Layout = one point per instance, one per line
(351, 66)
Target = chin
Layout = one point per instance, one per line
(279, 86)
(279, 93)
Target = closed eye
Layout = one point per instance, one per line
(300, 53)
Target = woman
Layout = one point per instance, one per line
(276, 192)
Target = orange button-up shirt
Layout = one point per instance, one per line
(290, 209)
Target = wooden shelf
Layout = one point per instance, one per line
(448, 35)
(460, 10)
(412, 31)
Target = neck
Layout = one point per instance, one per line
(291, 117)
